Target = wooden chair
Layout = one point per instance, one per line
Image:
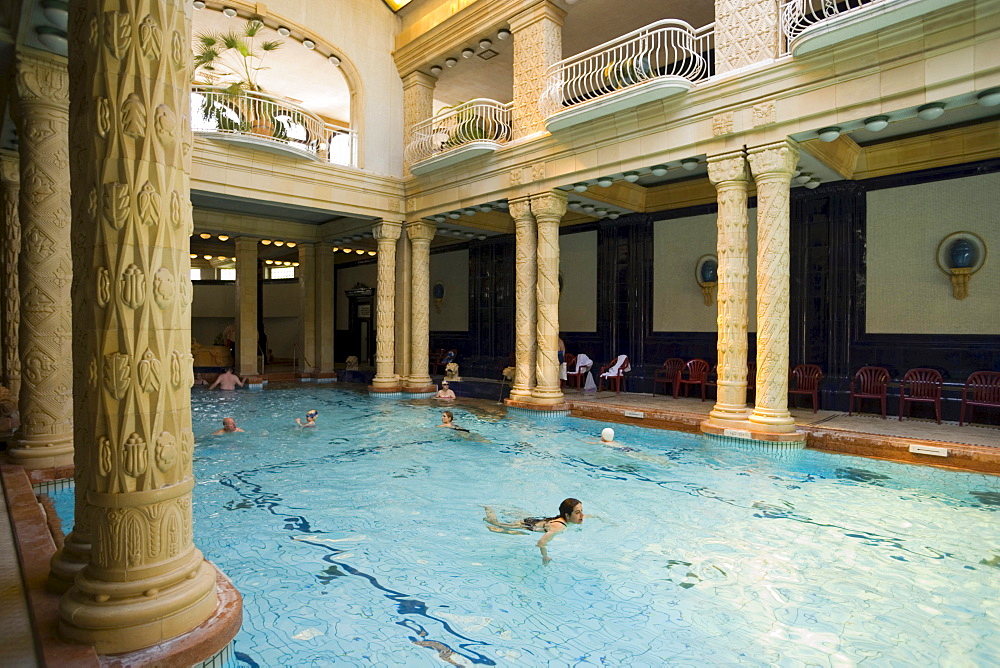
(618, 379)
(696, 374)
(441, 359)
(923, 386)
(667, 375)
(981, 389)
(871, 383)
(805, 380)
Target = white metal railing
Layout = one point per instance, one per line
(272, 119)
(667, 48)
(476, 120)
(797, 15)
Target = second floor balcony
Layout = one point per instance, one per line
(270, 123)
(458, 133)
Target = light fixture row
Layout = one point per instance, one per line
(206, 235)
(687, 164)
(470, 211)
(284, 31)
(281, 263)
(459, 233)
(353, 237)
(278, 242)
(358, 251)
(468, 52)
(597, 212)
(805, 179)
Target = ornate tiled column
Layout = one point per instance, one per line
(10, 185)
(325, 278)
(525, 298)
(772, 168)
(386, 233)
(418, 101)
(403, 316)
(537, 35)
(246, 307)
(728, 174)
(420, 233)
(746, 32)
(45, 264)
(306, 273)
(548, 209)
(146, 582)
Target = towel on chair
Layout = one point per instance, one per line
(583, 363)
(589, 385)
(616, 369)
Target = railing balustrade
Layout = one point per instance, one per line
(798, 15)
(476, 120)
(271, 119)
(668, 48)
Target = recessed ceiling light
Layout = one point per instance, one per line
(485, 208)
(335, 249)
(360, 251)
(574, 205)
(205, 235)
(439, 219)
(589, 208)
(690, 164)
(469, 212)
(194, 256)
(929, 112)
(334, 60)
(811, 183)
(659, 170)
(503, 33)
(468, 53)
(989, 98)
(279, 243)
(828, 134)
(198, 4)
(309, 44)
(580, 187)
(605, 181)
(454, 215)
(266, 242)
(284, 32)
(435, 70)
(229, 11)
(207, 257)
(613, 215)
(631, 177)
(485, 44)
(876, 123)
(371, 252)
(223, 237)
(291, 244)
(268, 261)
(450, 62)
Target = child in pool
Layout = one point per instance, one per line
(310, 419)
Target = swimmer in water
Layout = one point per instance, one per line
(310, 419)
(448, 420)
(570, 512)
(228, 427)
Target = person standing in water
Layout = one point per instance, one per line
(228, 427)
(310, 419)
(570, 512)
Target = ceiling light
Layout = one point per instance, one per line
(658, 170)
(929, 112)
(601, 212)
(233, 259)
(485, 44)
(439, 219)
(605, 181)
(469, 212)
(481, 237)
(613, 215)
(291, 244)
(989, 98)
(828, 134)
(194, 256)
(334, 249)
(347, 250)
(220, 257)
(284, 32)
(468, 53)
(360, 251)
(485, 208)
(503, 205)
(580, 187)
(309, 44)
(803, 177)
(198, 4)
(811, 183)
(631, 177)
(295, 264)
(588, 208)
(469, 235)
(371, 252)
(229, 11)
(279, 243)
(574, 205)
(436, 70)
(454, 215)
(268, 261)
(356, 237)
(690, 164)
(223, 237)
(503, 33)
(334, 60)
(368, 235)
(450, 62)
(207, 257)
(205, 235)
(266, 242)
(876, 123)
(457, 233)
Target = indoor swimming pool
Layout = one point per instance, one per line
(361, 542)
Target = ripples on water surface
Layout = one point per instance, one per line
(361, 543)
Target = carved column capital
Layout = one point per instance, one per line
(421, 230)
(549, 205)
(778, 159)
(419, 79)
(10, 168)
(728, 167)
(520, 211)
(544, 9)
(387, 230)
(41, 78)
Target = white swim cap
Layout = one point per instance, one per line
(608, 434)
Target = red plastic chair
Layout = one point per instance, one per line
(984, 389)
(616, 381)
(805, 380)
(697, 374)
(572, 375)
(872, 383)
(667, 375)
(921, 386)
(570, 361)
(441, 359)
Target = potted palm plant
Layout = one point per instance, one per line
(235, 59)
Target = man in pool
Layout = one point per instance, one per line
(227, 381)
(310, 419)
(228, 427)
(570, 512)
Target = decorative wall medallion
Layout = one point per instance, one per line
(163, 287)
(722, 124)
(706, 274)
(959, 256)
(117, 374)
(515, 176)
(149, 372)
(37, 366)
(134, 456)
(149, 205)
(538, 172)
(133, 287)
(133, 117)
(150, 38)
(763, 114)
(166, 452)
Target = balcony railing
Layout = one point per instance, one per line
(270, 122)
(481, 125)
(669, 51)
(797, 15)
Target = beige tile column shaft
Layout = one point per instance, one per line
(525, 298)
(746, 32)
(10, 186)
(772, 168)
(45, 264)
(146, 581)
(402, 311)
(537, 33)
(548, 209)
(729, 175)
(421, 233)
(306, 272)
(386, 233)
(324, 307)
(246, 306)
(418, 101)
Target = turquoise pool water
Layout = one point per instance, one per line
(361, 543)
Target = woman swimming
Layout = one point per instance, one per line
(448, 420)
(570, 512)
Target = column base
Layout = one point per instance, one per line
(547, 397)
(395, 389)
(516, 402)
(254, 382)
(69, 560)
(731, 416)
(750, 432)
(42, 452)
(420, 386)
(772, 420)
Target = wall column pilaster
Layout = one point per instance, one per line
(525, 298)
(746, 32)
(537, 33)
(10, 185)
(420, 233)
(325, 280)
(772, 166)
(306, 273)
(146, 582)
(728, 173)
(386, 234)
(403, 313)
(45, 264)
(246, 307)
(548, 210)
(418, 101)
